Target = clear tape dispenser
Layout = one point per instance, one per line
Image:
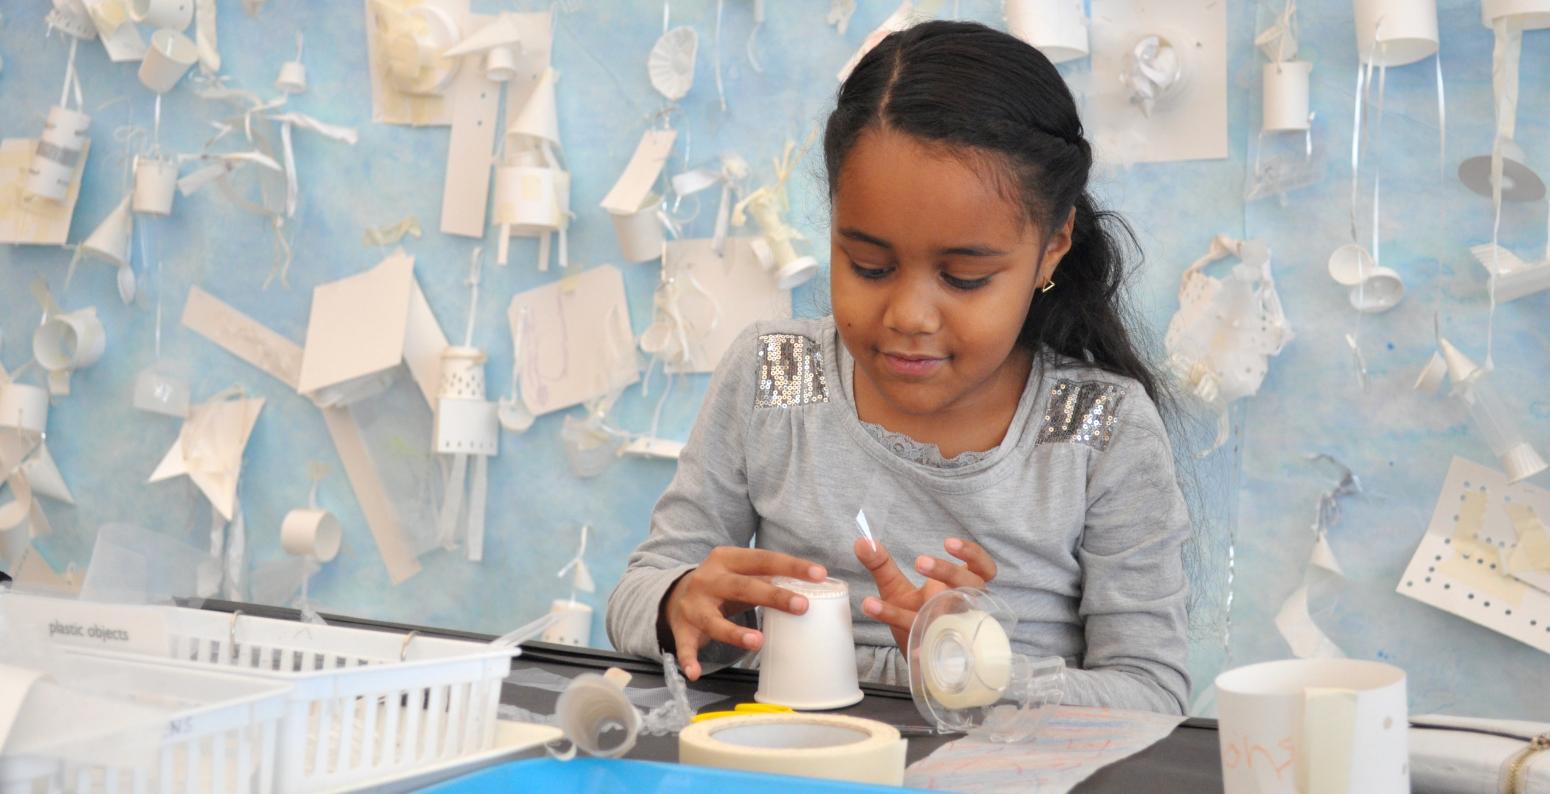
(965, 677)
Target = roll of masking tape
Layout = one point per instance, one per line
(967, 660)
(808, 745)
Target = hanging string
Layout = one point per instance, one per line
(72, 80)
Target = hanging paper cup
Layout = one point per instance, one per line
(69, 341)
(310, 532)
(1395, 32)
(166, 61)
(1057, 28)
(169, 14)
(500, 64)
(156, 182)
(1339, 724)
(573, 625)
(1529, 14)
(1380, 291)
(1349, 264)
(1285, 99)
(59, 151)
(640, 233)
(292, 78)
(1432, 375)
(23, 407)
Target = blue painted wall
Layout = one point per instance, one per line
(1257, 494)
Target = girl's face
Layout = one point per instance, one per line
(932, 272)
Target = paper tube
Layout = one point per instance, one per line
(500, 64)
(23, 407)
(1314, 725)
(311, 532)
(1530, 14)
(156, 182)
(640, 233)
(573, 626)
(808, 745)
(467, 427)
(292, 79)
(1057, 28)
(527, 195)
(597, 716)
(166, 61)
(1395, 32)
(1285, 100)
(809, 660)
(69, 341)
(170, 14)
(59, 151)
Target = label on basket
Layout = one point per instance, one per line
(111, 627)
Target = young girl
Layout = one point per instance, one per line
(976, 378)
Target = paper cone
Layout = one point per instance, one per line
(1395, 32)
(110, 240)
(538, 118)
(1460, 366)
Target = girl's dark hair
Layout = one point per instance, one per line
(988, 95)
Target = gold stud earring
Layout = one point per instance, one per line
(1048, 285)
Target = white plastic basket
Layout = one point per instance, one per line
(363, 705)
(214, 733)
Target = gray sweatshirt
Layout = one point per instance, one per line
(1078, 505)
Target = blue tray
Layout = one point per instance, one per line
(611, 775)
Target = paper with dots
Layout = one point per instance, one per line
(1486, 554)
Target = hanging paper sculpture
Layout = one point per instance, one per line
(532, 188)
(1472, 385)
(1226, 330)
(65, 341)
(25, 464)
(1395, 32)
(1284, 102)
(468, 433)
(573, 619)
(512, 410)
(1373, 289)
(1057, 28)
(636, 211)
(45, 174)
(1295, 623)
(1511, 277)
(671, 63)
(767, 206)
(209, 451)
(359, 330)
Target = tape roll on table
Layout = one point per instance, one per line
(968, 660)
(808, 745)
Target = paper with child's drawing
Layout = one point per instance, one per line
(578, 344)
(737, 291)
(36, 222)
(1073, 743)
(1485, 556)
(209, 449)
(1190, 123)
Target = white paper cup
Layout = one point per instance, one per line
(167, 59)
(309, 532)
(1284, 104)
(69, 341)
(1380, 291)
(1395, 32)
(640, 233)
(467, 427)
(1057, 28)
(23, 407)
(170, 14)
(156, 182)
(1326, 725)
(500, 64)
(1349, 264)
(574, 626)
(59, 152)
(1530, 14)
(292, 78)
(808, 661)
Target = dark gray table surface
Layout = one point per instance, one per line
(1185, 761)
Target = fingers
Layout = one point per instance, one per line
(891, 584)
(948, 573)
(686, 639)
(974, 555)
(763, 562)
(746, 591)
(884, 612)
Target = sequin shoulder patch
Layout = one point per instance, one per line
(790, 372)
(1081, 412)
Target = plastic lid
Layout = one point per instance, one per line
(1522, 462)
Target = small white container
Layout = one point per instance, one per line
(640, 233)
(167, 59)
(1285, 102)
(58, 153)
(309, 532)
(156, 183)
(574, 626)
(809, 660)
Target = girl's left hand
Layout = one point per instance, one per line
(898, 599)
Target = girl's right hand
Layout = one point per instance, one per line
(732, 580)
